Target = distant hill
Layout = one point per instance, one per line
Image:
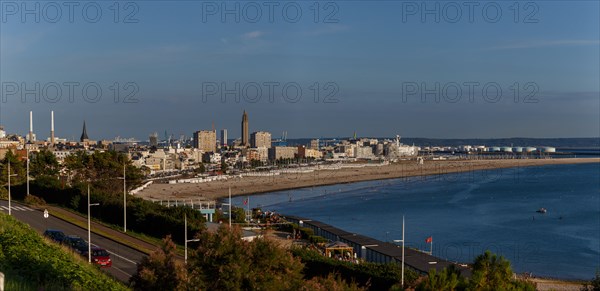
(593, 142)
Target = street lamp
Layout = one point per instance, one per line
(186, 239)
(402, 241)
(89, 225)
(124, 199)
(9, 198)
(229, 207)
(27, 171)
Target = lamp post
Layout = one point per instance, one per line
(402, 241)
(27, 171)
(124, 199)
(186, 239)
(89, 225)
(229, 204)
(9, 197)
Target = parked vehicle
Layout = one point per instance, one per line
(55, 235)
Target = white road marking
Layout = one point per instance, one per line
(128, 275)
(4, 207)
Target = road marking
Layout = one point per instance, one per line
(18, 208)
(124, 258)
(6, 208)
(128, 275)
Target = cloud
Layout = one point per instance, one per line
(546, 43)
(328, 29)
(253, 34)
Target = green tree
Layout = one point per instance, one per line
(448, 279)
(17, 167)
(594, 284)
(161, 271)
(490, 272)
(223, 261)
(224, 166)
(43, 163)
(103, 169)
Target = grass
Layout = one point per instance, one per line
(31, 262)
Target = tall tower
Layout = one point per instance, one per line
(52, 127)
(245, 140)
(84, 136)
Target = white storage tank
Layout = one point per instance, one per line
(518, 149)
(549, 150)
(494, 149)
(507, 149)
(530, 149)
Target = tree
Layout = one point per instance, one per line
(224, 166)
(448, 279)
(43, 163)
(490, 271)
(161, 271)
(594, 284)
(223, 261)
(17, 167)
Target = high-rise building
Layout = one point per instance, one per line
(245, 141)
(206, 140)
(260, 139)
(153, 138)
(224, 137)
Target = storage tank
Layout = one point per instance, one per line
(549, 150)
(507, 149)
(518, 149)
(494, 149)
(530, 149)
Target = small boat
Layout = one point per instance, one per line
(542, 210)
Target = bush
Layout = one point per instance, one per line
(34, 200)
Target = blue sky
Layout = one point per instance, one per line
(367, 54)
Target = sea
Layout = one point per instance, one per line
(468, 213)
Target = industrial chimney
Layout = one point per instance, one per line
(52, 128)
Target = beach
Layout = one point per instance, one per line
(261, 184)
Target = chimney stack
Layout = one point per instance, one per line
(52, 128)
(31, 126)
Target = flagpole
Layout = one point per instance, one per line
(229, 207)
(431, 247)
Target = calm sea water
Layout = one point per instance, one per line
(467, 213)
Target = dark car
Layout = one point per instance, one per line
(76, 243)
(55, 235)
(100, 257)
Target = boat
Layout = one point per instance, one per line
(542, 210)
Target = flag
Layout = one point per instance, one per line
(246, 201)
(429, 240)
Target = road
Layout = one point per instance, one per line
(124, 258)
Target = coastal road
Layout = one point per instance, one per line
(124, 258)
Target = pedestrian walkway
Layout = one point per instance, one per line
(15, 208)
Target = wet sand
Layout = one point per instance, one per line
(254, 185)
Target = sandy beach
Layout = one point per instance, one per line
(253, 185)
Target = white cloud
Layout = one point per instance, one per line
(253, 34)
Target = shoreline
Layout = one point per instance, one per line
(251, 185)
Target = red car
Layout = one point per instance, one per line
(100, 257)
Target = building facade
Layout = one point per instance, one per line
(205, 140)
(260, 139)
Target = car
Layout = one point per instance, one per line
(100, 257)
(76, 243)
(55, 235)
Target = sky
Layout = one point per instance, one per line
(435, 69)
